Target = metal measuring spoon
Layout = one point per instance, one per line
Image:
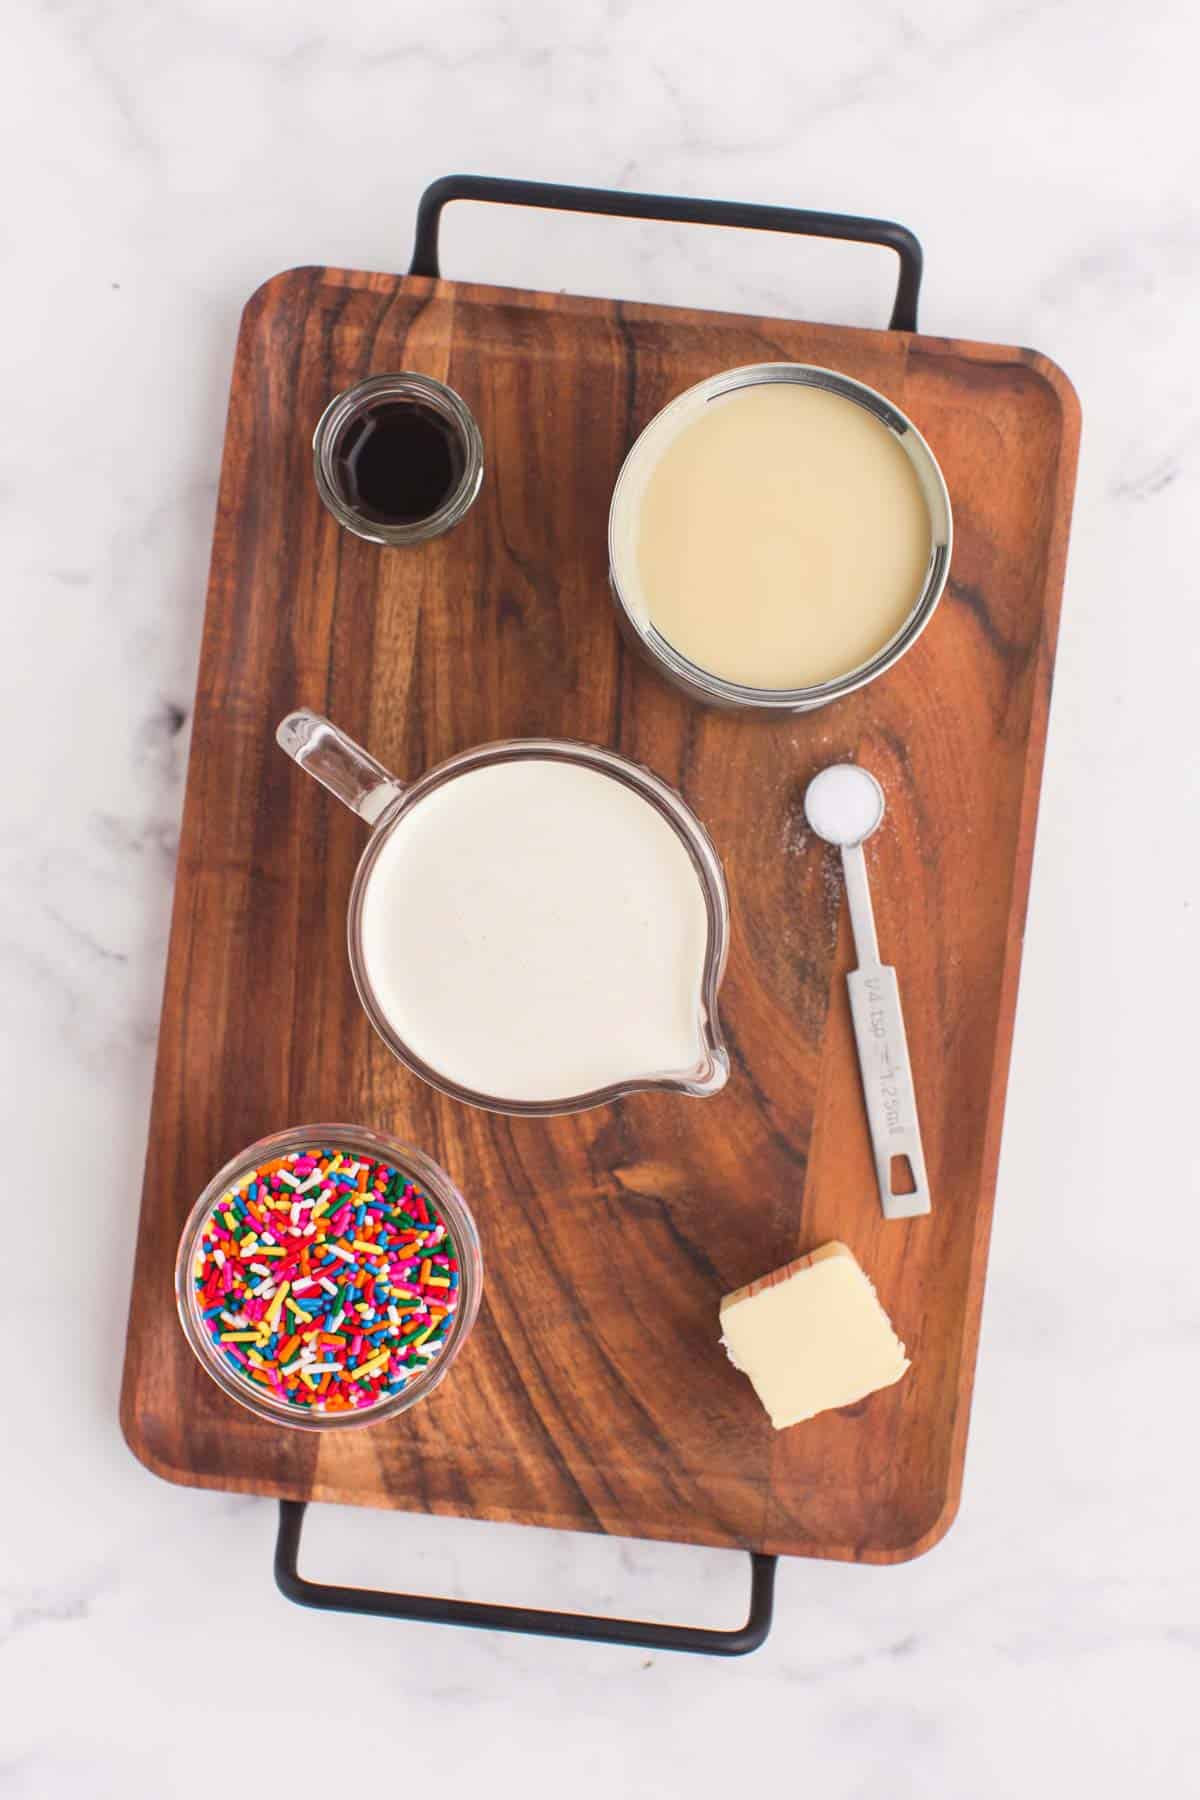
(844, 805)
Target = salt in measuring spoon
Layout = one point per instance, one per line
(844, 804)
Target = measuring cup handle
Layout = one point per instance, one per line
(338, 763)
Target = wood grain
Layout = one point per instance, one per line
(594, 1394)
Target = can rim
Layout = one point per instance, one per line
(702, 683)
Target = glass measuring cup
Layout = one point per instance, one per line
(389, 805)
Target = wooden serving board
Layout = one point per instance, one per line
(593, 1394)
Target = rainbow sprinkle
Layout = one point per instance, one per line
(327, 1280)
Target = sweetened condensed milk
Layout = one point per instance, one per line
(782, 538)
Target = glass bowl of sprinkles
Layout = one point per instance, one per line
(328, 1276)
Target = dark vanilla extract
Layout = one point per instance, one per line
(399, 463)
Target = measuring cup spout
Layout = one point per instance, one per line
(711, 1077)
(350, 773)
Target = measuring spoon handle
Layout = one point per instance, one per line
(888, 1089)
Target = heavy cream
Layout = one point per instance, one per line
(534, 930)
(782, 536)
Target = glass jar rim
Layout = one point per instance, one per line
(402, 384)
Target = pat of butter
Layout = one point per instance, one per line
(811, 1336)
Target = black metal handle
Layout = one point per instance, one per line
(676, 210)
(535, 1623)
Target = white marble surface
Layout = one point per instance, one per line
(160, 161)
